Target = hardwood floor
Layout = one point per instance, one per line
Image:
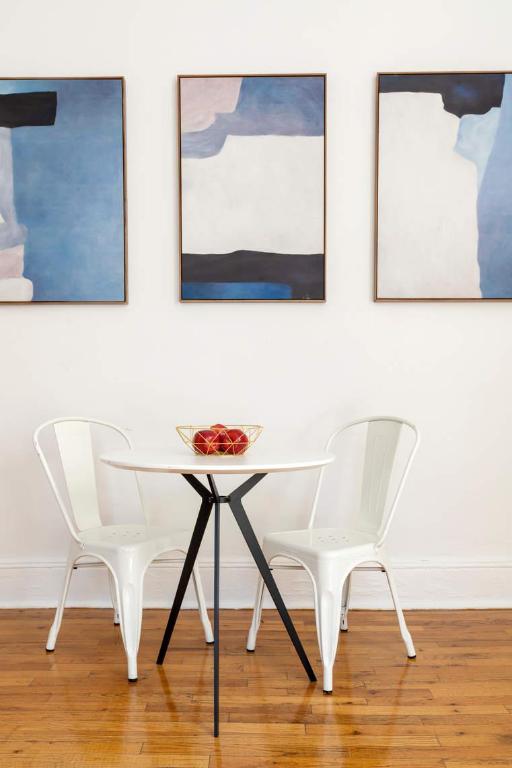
(450, 708)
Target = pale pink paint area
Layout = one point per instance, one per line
(16, 289)
(11, 261)
(202, 98)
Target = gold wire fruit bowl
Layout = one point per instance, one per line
(219, 439)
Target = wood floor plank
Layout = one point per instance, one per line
(45, 747)
(450, 708)
(111, 761)
(476, 763)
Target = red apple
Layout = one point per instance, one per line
(223, 441)
(237, 441)
(205, 441)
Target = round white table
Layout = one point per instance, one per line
(254, 463)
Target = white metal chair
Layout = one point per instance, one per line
(329, 555)
(126, 550)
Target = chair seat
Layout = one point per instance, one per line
(321, 541)
(115, 536)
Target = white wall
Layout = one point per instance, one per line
(299, 370)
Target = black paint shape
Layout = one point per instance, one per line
(304, 273)
(463, 94)
(37, 108)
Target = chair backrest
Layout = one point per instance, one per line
(386, 446)
(75, 447)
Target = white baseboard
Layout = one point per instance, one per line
(432, 584)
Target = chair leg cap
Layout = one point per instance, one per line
(327, 693)
(132, 679)
(250, 650)
(50, 650)
(210, 642)
(344, 630)
(411, 657)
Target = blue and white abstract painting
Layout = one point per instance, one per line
(62, 234)
(445, 186)
(252, 187)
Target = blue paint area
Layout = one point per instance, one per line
(68, 186)
(267, 106)
(495, 209)
(236, 291)
(463, 93)
(475, 138)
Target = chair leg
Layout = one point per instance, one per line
(256, 616)
(129, 575)
(203, 613)
(54, 629)
(406, 635)
(112, 586)
(345, 601)
(328, 598)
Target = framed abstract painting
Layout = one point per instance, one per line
(62, 190)
(444, 186)
(252, 187)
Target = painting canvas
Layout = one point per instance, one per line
(252, 167)
(444, 186)
(62, 217)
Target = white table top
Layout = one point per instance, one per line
(187, 463)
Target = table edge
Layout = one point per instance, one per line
(215, 470)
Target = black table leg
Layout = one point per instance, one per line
(190, 559)
(259, 558)
(211, 498)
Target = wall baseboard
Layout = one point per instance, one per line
(423, 584)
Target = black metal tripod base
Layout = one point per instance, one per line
(211, 499)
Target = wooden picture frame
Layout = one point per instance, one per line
(442, 250)
(204, 266)
(111, 274)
